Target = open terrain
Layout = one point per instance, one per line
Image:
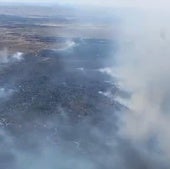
(31, 29)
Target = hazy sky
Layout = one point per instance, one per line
(114, 3)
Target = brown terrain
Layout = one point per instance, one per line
(31, 29)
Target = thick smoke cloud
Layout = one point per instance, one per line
(143, 72)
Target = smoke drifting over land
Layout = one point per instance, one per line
(144, 69)
(56, 116)
(61, 109)
(5, 57)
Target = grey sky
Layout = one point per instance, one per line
(114, 3)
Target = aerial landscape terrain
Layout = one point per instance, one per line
(32, 29)
(83, 87)
(55, 89)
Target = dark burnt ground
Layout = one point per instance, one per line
(56, 100)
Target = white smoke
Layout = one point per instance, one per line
(5, 92)
(6, 57)
(18, 56)
(144, 70)
(70, 44)
(81, 69)
(107, 70)
(67, 45)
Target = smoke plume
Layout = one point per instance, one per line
(143, 71)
